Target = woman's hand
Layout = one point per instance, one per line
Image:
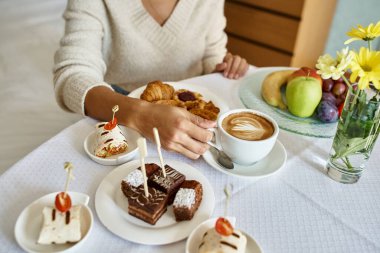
(233, 66)
(179, 130)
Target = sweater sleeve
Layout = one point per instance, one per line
(216, 39)
(78, 63)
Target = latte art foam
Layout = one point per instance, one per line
(248, 126)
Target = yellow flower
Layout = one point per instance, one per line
(366, 66)
(364, 33)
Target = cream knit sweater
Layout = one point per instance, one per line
(118, 42)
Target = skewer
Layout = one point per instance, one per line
(141, 143)
(158, 143)
(68, 166)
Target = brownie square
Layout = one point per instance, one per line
(148, 209)
(168, 185)
(187, 200)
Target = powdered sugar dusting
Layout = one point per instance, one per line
(135, 178)
(184, 198)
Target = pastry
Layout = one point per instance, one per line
(135, 177)
(213, 242)
(109, 142)
(186, 95)
(60, 227)
(169, 184)
(157, 90)
(61, 223)
(187, 200)
(171, 102)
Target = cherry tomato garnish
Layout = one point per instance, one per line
(111, 124)
(223, 227)
(340, 109)
(63, 202)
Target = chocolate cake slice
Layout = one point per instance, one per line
(168, 185)
(187, 200)
(148, 209)
(135, 178)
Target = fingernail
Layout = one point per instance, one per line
(225, 74)
(237, 76)
(231, 76)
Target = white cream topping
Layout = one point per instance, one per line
(184, 198)
(57, 231)
(135, 178)
(103, 136)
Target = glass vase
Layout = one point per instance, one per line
(357, 131)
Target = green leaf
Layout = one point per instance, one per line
(345, 147)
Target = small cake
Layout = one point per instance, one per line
(187, 200)
(60, 227)
(109, 142)
(213, 242)
(148, 209)
(169, 184)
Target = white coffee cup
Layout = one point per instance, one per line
(244, 152)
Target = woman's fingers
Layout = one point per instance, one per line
(234, 67)
(228, 60)
(184, 151)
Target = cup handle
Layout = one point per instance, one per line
(214, 138)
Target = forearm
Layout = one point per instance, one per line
(100, 100)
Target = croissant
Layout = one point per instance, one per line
(206, 114)
(157, 90)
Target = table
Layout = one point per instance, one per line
(298, 209)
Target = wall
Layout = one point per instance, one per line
(350, 13)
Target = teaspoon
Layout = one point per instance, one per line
(221, 158)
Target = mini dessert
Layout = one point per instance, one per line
(61, 224)
(187, 200)
(169, 184)
(148, 209)
(170, 102)
(60, 227)
(213, 242)
(135, 178)
(109, 138)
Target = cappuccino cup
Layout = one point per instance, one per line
(246, 135)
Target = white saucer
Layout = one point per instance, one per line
(131, 136)
(195, 237)
(29, 222)
(273, 162)
(112, 208)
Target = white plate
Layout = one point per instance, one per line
(195, 237)
(111, 207)
(29, 223)
(250, 95)
(207, 94)
(130, 135)
(273, 162)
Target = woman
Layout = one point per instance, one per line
(132, 42)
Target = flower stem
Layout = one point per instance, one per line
(346, 81)
(369, 45)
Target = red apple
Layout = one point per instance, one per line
(305, 72)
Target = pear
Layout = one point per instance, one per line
(303, 94)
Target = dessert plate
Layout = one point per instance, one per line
(131, 137)
(207, 94)
(250, 95)
(111, 207)
(272, 163)
(29, 222)
(195, 237)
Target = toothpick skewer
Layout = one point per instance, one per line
(141, 143)
(158, 143)
(227, 191)
(68, 166)
(114, 110)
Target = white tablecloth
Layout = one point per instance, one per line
(298, 209)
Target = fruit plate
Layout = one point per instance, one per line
(250, 95)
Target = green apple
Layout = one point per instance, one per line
(303, 95)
